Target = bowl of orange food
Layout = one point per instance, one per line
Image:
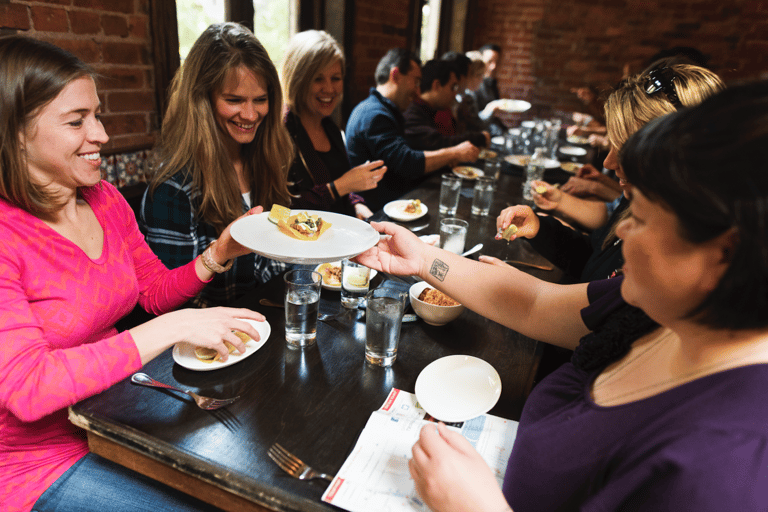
(433, 306)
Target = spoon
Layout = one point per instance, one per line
(473, 250)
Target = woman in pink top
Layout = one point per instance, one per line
(72, 263)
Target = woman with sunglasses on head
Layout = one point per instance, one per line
(675, 418)
(72, 263)
(636, 101)
(320, 177)
(223, 149)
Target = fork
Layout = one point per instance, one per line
(203, 402)
(323, 317)
(292, 465)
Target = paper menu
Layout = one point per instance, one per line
(375, 476)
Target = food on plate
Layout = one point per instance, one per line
(412, 207)
(571, 167)
(436, 298)
(278, 213)
(541, 189)
(511, 230)
(521, 160)
(467, 172)
(577, 139)
(209, 355)
(331, 273)
(486, 154)
(304, 226)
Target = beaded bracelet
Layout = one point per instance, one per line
(210, 264)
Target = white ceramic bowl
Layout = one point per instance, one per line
(430, 313)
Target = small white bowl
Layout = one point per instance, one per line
(430, 313)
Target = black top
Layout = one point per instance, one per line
(421, 131)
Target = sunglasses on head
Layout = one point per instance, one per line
(663, 80)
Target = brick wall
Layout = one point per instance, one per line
(550, 46)
(111, 35)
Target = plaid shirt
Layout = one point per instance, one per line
(170, 225)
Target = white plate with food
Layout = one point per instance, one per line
(573, 151)
(522, 161)
(487, 154)
(331, 273)
(513, 106)
(577, 139)
(571, 167)
(405, 210)
(468, 172)
(458, 388)
(345, 238)
(184, 353)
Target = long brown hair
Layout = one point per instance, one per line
(191, 138)
(32, 74)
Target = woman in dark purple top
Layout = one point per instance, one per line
(320, 177)
(663, 405)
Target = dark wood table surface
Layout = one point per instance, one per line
(315, 402)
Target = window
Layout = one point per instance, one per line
(194, 16)
(430, 26)
(274, 22)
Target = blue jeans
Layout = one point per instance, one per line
(95, 484)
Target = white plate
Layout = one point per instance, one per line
(514, 106)
(573, 151)
(184, 353)
(498, 140)
(337, 287)
(571, 167)
(458, 388)
(396, 210)
(468, 172)
(347, 237)
(430, 239)
(522, 161)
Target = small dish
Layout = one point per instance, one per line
(333, 284)
(513, 106)
(573, 151)
(184, 353)
(431, 313)
(468, 172)
(458, 388)
(396, 210)
(522, 161)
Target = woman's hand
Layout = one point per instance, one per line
(521, 216)
(400, 253)
(450, 476)
(207, 328)
(360, 178)
(362, 212)
(490, 260)
(226, 248)
(548, 199)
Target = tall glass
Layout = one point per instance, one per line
(383, 319)
(453, 235)
(483, 196)
(354, 283)
(450, 189)
(302, 298)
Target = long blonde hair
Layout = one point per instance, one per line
(307, 54)
(630, 107)
(191, 139)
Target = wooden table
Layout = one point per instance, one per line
(315, 401)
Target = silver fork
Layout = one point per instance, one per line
(203, 402)
(292, 465)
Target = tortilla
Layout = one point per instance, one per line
(285, 227)
(209, 355)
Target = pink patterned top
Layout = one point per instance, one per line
(58, 344)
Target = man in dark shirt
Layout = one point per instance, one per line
(439, 85)
(375, 131)
(489, 89)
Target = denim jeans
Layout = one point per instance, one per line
(95, 484)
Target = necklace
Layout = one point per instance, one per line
(653, 345)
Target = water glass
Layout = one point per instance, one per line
(483, 197)
(453, 235)
(492, 168)
(383, 318)
(354, 283)
(302, 298)
(450, 189)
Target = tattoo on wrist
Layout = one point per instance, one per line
(439, 269)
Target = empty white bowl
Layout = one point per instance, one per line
(430, 313)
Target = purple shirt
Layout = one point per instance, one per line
(702, 446)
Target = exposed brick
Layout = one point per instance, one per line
(122, 78)
(125, 124)
(14, 16)
(87, 50)
(124, 143)
(49, 19)
(124, 6)
(114, 25)
(84, 22)
(138, 101)
(137, 26)
(125, 53)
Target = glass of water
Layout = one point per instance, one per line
(383, 318)
(453, 234)
(483, 197)
(354, 283)
(450, 189)
(302, 298)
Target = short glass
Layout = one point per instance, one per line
(450, 190)
(492, 168)
(302, 298)
(453, 234)
(383, 318)
(355, 279)
(483, 196)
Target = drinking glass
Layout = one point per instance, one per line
(450, 189)
(354, 283)
(492, 168)
(302, 298)
(383, 318)
(483, 197)
(453, 234)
